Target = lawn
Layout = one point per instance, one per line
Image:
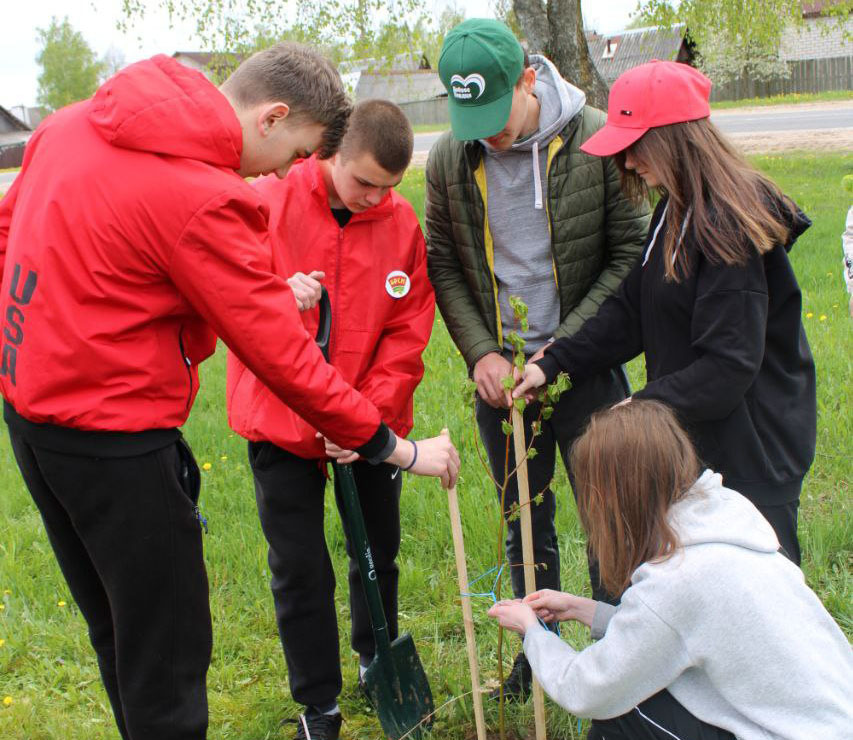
(784, 99)
(48, 674)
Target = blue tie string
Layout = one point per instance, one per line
(492, 594)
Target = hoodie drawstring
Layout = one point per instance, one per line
(537, 178)
(655, 235)
(657, 231)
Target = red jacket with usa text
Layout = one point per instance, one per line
(382, 305)
(128, 243)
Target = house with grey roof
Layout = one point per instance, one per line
(819, 36)
(352, 69)
(31, 116)
(400, 86)
(215, 66)
(817, 54)
(14, 134)
(613, 55)
(407, 78)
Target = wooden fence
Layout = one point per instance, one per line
(432, 112)
(806, 76)
(12, 155)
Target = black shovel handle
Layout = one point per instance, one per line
(353, 515)
(324, 326)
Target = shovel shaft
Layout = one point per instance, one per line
(395, 681)
(358, 535)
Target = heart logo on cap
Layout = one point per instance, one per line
(462, 86)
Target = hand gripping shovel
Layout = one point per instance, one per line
(395, 681)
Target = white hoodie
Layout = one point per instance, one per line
(727, 625)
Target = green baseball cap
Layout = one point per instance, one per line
(480, 62)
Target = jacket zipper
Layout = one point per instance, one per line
(333, 337)
(188, 365)
(549, 160)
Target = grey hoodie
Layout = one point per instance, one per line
(727, 625)
(517, 185)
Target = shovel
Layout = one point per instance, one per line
(395, 682)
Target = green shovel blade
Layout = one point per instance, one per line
(399, 691)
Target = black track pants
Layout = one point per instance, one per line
(289, 491)
(660, 717)
(128, 541)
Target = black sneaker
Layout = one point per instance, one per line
(517, 686)
(313, 726)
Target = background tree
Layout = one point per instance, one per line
(555, 28)
(503, 11)
(736, 37)
(112, 61)
(344, 29)
(70, 69)
(379, 29)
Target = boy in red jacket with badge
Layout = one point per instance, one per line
(129, 241)
(338, 220)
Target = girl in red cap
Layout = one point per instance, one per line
(713, 303)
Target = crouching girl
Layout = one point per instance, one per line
(717, 635)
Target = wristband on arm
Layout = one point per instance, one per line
(414, 458)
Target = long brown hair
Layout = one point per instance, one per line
(630, 465)
(733, 209)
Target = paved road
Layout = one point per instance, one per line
(806, 120)
(6, 179)
(737, 122)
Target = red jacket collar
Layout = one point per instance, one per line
(314, 178)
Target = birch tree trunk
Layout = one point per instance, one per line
(555, 28)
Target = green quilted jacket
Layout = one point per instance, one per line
(596, 234)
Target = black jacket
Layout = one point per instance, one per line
(725, 347)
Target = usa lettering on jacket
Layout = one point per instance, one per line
(13, 328)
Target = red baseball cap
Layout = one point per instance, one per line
(653, 94)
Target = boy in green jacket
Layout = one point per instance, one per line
(514, 208)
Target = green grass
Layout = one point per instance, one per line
(426, 128)
(786, 99)
(49, 671)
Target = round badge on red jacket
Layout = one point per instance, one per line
(397, 284)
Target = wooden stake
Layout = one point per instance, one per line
(467, 615)
(527, 548)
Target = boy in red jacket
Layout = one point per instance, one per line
(128, 242)
(338, 220)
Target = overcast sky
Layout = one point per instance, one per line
(19, 71)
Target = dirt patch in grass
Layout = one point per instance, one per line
(782, 108)
(819, 140)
